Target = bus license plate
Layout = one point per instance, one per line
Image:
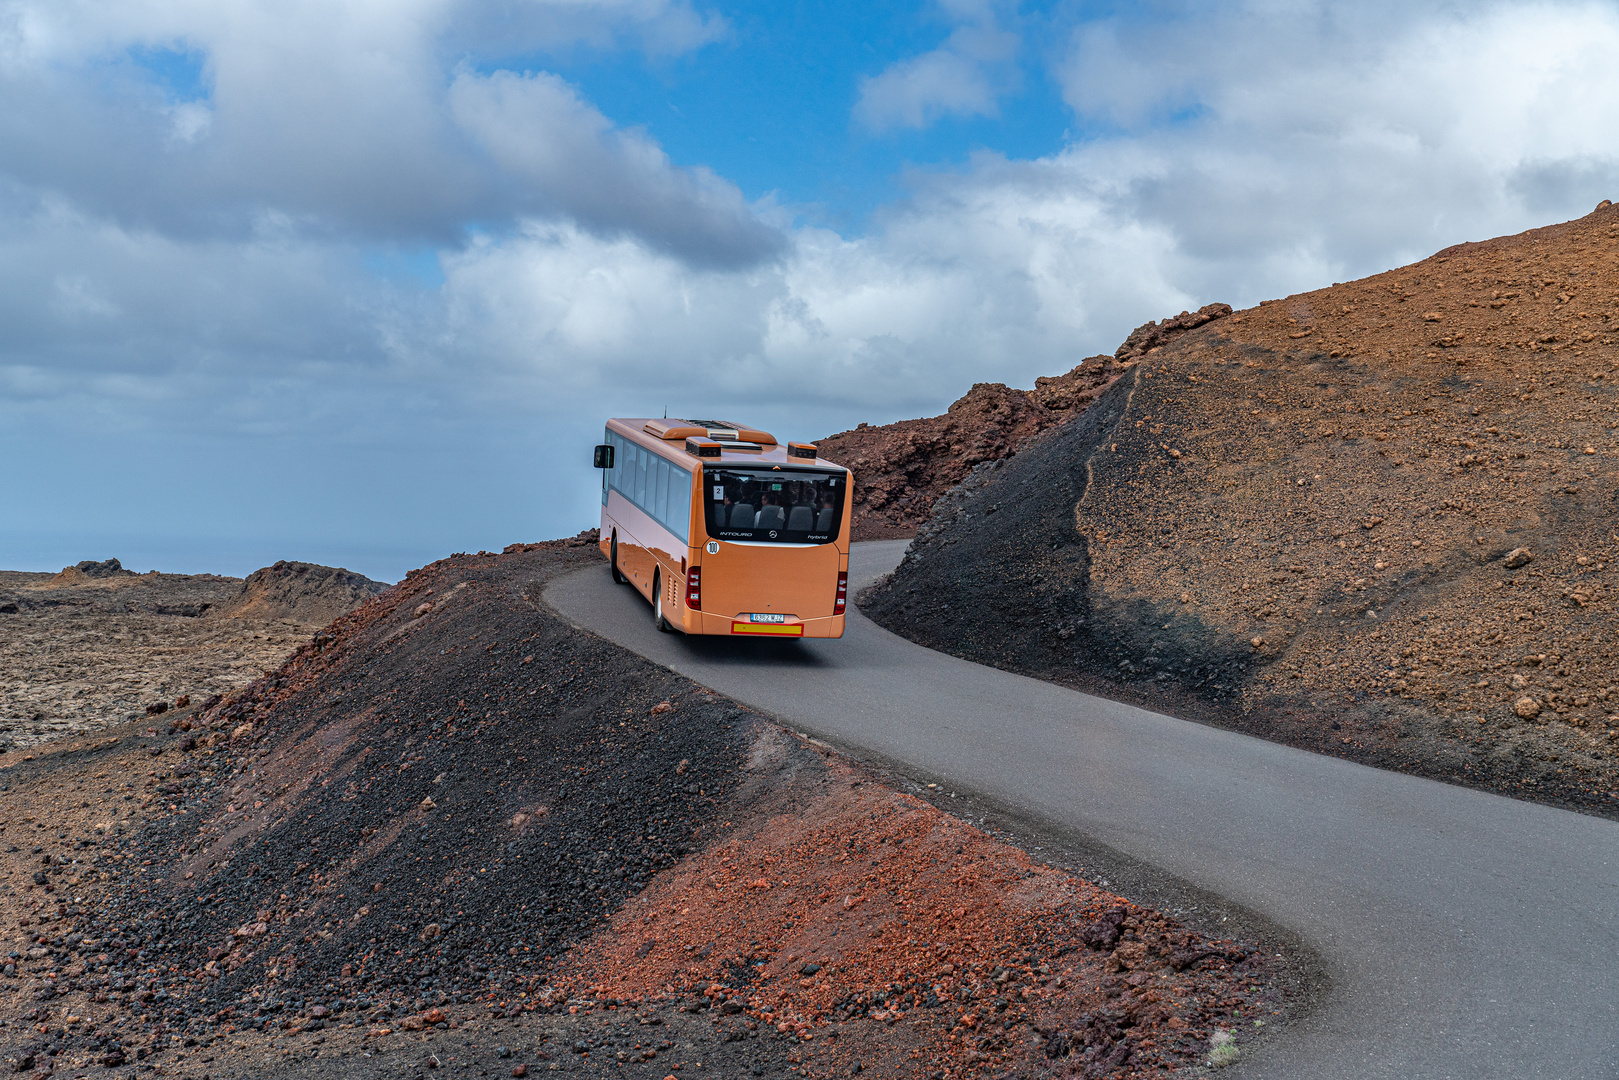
(767, 618)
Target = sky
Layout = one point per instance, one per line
(356, 282)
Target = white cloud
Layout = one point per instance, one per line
(1293, 140)
(965, 76)
(208, 277)
(191, 121)
(346, 116)
(1010, 276)
(1456, 126)
(546, 139)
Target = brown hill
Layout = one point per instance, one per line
(108, 573)
(299, 591)
(1374, 519)
(455, 833)
(901, 468)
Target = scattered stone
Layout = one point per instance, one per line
(1518, 557)
(1103, 932)
(1154, 335)
(1527, 708)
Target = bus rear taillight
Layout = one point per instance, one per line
(694, 589)
(843, 594)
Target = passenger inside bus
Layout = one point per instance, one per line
(801, 507)
(771, 515)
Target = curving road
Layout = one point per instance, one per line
(1464, 935)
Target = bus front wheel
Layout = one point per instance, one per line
(618, 575)
(657, 605)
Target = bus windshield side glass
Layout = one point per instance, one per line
(781, 506)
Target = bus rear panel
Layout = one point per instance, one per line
(732, 533)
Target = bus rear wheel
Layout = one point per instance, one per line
(618, 575)
(657, 605)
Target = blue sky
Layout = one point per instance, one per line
(357, 283)
(771, 104)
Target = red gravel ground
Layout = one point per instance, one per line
(889, 935)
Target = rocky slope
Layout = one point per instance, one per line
(1375, 520)
(302, 592)
(453, 831)
(901, 468)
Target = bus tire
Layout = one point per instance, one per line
(618, 575)
(657, 605)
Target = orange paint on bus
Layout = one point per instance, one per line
(766, 527)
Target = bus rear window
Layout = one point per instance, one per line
(780, 506)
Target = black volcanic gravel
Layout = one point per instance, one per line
(1001, 575)
(557, 787)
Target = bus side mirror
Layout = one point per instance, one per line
(604, 456)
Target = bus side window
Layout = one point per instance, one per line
(680, 503)
(659, 501)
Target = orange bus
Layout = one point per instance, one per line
(724, 530)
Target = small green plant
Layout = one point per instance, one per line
(1222, 1049)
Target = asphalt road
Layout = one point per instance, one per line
(1464, 935)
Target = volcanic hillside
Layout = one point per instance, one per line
(300, 591)
(454, 831)
(1376, 520)
(901, 468)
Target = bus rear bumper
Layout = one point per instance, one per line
(706, 622)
